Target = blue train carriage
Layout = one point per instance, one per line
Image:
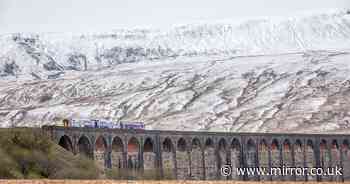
(82, 123)
(97, 123)
(90, 123)
(106, 124)
(133, 125)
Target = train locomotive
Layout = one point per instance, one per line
(97, 123)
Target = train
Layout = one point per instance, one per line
(99, 123)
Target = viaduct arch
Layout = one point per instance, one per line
(200, 155)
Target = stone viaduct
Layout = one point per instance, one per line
(200, 155)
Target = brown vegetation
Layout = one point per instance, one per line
(29, 154)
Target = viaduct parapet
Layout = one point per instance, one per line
(201, 155)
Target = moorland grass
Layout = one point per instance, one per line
(28, 153)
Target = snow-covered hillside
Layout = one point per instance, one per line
(262, 75)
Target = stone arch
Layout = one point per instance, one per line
(149, 157)
(168, 159)
(275, 150)
(117, 153)
(209, 142)
(196, 143)
(66, 143)
(84, 146)
(287, 158)
(182, 159)
(222, 154)
(336, 158)
(196, 160)
(181, 144)
(299, 158)
(346, 160)
(167, 145)
(310, 160)
(148, 146)
(133, 153)
(263, 157)
(210, 159)
(100, 152)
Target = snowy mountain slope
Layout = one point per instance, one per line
(41, 55)
(287, 92)
(268, 76)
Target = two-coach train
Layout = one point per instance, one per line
(97, 123)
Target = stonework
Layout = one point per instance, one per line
(149, 161)
(325, 160)
(117, 160)
(235, 163)
(183, 155)
(251, 160)
(100, 157)
(310, 160)
(335, 161)
(346, 163)
(264, 159)
(299, 160)
(168, 165)
(183, 167)
(222, 161)
(133, 160)
(197, 170)
(210, 163)
(275, 161)
(287, 158)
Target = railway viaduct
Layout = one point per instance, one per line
(200, 155)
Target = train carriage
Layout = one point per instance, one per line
(100, 123)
